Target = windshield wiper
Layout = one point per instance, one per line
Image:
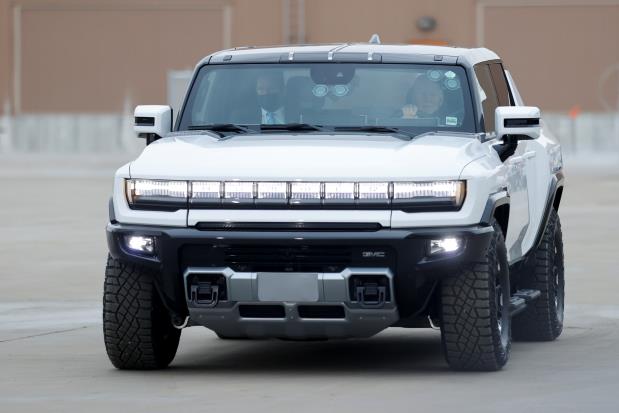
(293, 127)
(373, 129)
(221, 127)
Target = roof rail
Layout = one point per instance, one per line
(375, 39)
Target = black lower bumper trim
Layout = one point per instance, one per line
(404, 251)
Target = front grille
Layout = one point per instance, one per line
(301, 258)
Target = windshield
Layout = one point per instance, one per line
(410, 98)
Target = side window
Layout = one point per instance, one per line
(489, 99)
(500, 84)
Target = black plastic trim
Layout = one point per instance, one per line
(415, 273)
(144, 121)
(494, 201)
(159, 204)
(556, 182)
(111, 212)
(520, 122)
(288, 226)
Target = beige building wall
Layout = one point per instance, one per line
(5, 52)
(96, 55)
(394, 20)
(561, 54)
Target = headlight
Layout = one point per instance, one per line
(151, 194)
(204, 194)
(405, 196)
(271, 193)
(238, 192)
(305, 193)
(410, 196)
(272, 190)
(374, 191)
(339, 194)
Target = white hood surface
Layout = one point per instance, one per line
(308, 157)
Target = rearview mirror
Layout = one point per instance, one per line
(152, 121)
(520, 121)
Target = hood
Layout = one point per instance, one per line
(310, 157)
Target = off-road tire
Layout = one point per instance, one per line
(542, 320)
(475, 319)
(137, 329)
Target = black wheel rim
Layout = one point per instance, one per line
(502, 304)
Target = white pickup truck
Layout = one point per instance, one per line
(332, 191)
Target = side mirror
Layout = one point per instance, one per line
(519, 121)
(152, 121)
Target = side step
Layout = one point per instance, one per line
(520, 299)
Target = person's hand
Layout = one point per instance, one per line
(409, 111)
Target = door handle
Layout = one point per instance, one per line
(515, 160)
(529, 155)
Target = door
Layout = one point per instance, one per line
(492, 81)
(536, 177)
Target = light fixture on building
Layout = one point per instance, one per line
(426, 23)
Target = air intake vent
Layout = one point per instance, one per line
(301, 258)
(321, 311)
(262, 311)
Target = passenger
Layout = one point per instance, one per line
(270, 94)
(423, 100)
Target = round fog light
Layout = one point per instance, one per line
(141, 244)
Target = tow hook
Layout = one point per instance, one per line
(371, 295)
(179, 323)
(205, 294)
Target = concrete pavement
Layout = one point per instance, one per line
(52, 254)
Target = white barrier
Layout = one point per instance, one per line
(69, 134)
(587, 133)
(109, 133)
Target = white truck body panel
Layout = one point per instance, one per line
(307, 157)
(358, 157)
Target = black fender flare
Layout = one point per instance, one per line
(556, 185)
(494, 201)
(111, 212)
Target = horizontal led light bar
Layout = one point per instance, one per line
(272, 190)
(238, 190)
(374, 191)
(206, 190)
(156, 192)
(305, 190)
(406, 195)
(340, 190)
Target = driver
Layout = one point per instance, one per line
(270, 93)
(423, 100)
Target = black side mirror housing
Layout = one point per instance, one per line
(509, 144)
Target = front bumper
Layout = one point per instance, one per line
(327, 258)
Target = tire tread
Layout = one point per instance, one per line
(470, 340)
(132, 319)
